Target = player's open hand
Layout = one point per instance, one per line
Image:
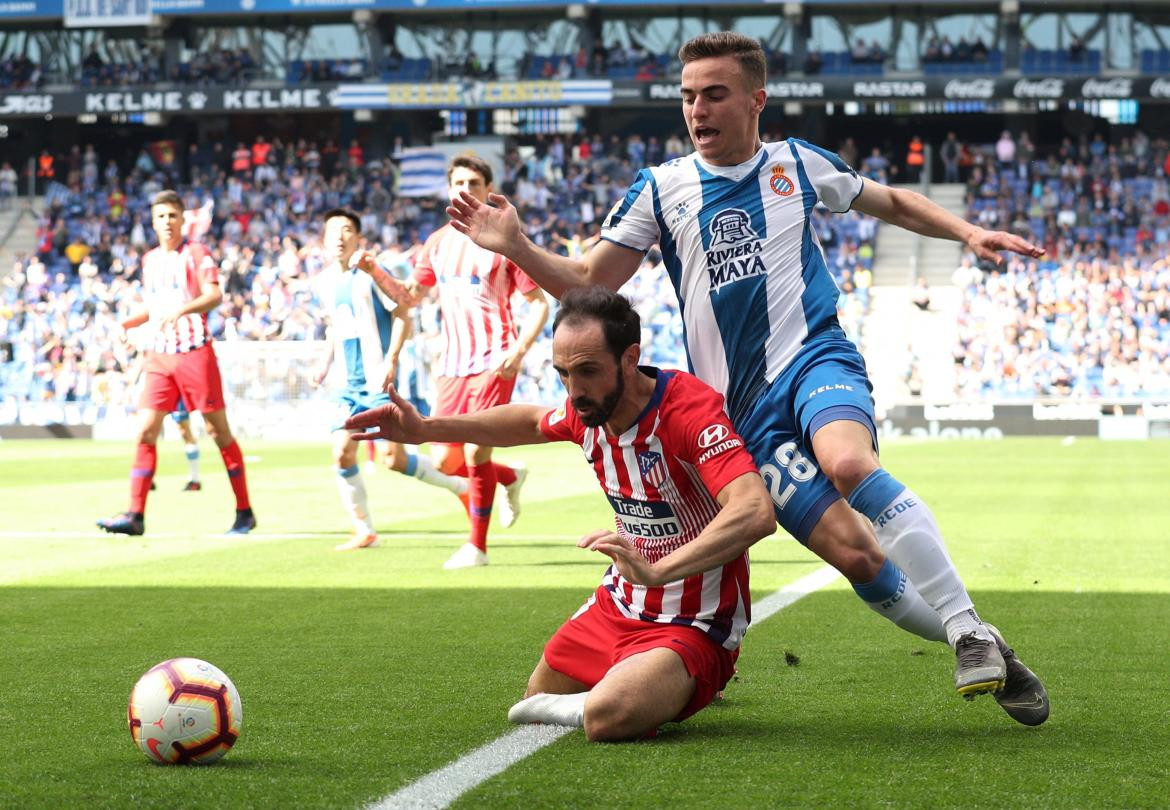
(629, 561)
(988, 244)
(398, 421)
(363, 260)
(509, 367)
(495, 227)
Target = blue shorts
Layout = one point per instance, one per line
(825, 382)
(351, 403)
(180, 414)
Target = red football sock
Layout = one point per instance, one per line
(233, 459)
(465, 498)
(482, 488)
(141, 474)
(504, 474)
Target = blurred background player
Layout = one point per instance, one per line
(366, 332)
(180, 284)
(482, 351)
(659, 637)
(182, 419)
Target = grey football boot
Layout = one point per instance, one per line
(980, 669)
(1023, 695)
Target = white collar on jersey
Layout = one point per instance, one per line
(733, 173)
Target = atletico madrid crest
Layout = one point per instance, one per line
(653, 470)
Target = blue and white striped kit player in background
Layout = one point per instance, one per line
(366, 334)
(759, 311)
(182, 419)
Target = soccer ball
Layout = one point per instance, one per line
(185, 711)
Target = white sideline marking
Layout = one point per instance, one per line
(440, 788)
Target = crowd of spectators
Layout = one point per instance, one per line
(1092, 317)
(99, 72)
(942, 49)
(19, 73)
(263, 201)
(218, 66)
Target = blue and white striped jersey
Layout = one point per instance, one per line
(744, 260)
(361, 324)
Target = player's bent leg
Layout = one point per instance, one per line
(352, 490)
(551, 698)
(402, 459)
(481, 490)
(844, 540)
(546, 679)
(638, 695)
(908, 534)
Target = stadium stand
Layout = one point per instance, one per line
(1092, 318)
(60, 305)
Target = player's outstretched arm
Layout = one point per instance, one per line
(746, 516)
(914, 212)
(502, 426)
(497, 228)
(398, 292)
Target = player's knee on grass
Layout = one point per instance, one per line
(638, 695)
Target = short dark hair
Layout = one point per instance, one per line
(619, 320)
(348, 213)
(747, 51)
(168, 197)
(473, 162)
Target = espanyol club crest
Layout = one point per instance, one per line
(780, 182)
(653, 470)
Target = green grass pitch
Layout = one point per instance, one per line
(362, 672)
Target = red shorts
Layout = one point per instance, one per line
(459, 395)
(192, 376)
(599, 636)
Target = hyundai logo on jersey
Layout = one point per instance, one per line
(712, 434)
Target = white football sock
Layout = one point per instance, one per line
(193, 460)
(423, 468)
(558, 710)
(892, 596)
(908, 533)
(353, 496)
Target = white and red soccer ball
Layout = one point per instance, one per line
(185, 711)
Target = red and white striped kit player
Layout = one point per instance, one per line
(171, 278)
(659, 476)
(475, 290)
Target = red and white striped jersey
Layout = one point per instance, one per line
(171, 278)
(662, 477)
(475, 295)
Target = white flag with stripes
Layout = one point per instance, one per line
(423, 173)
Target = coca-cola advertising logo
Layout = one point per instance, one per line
(969, 88)
(1160, 88)
(1107, 88)
(1040, 88)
